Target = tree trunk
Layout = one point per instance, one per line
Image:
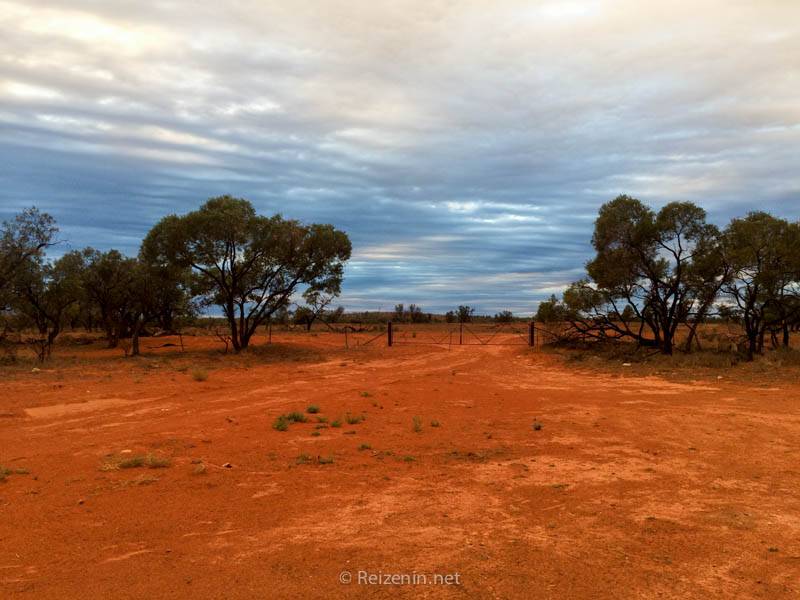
(137, 328)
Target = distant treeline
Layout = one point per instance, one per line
(654, 272)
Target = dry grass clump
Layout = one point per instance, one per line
(199, 374)
(150, 461)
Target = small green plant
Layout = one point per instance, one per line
(336, 423)
(409, 459)
(365, 394)
(434, 423)
(417, 423)
(365, 447)
(296, 417)
(351, 420)
(303, 459)
(199, 374)
(312, 409)
(281, 423)
(325, 460)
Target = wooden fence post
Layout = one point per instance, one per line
(389, 333)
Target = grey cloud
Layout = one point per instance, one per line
(464, 146)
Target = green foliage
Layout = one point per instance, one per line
(504, 316)
(247, 264)
(464, 313)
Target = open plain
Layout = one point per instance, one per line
(163, 476)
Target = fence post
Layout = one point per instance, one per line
(531, 334)
(460, 333)
(389, 333)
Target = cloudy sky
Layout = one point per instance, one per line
(464, 145)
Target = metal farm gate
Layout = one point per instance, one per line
(461, 334)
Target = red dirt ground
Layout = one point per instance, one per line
(632, 488)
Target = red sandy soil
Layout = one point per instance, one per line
(634, 487)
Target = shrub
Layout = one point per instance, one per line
(312, 409)
(336, 423)
(325, 460)
(296, 417)
(365, 447)
(199, 374)
(281, 423)
(351, 420)
(434, 423)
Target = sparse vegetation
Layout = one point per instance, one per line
(151, 461)
(416, 424)
(435, 423)
(325, 460)
(312, 409)
(336, 423)
(296, 417)
(281, 423)
(199, 374)
(354, 420)
(364, 447)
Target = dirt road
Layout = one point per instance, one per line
(628, 488)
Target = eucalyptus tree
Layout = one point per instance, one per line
(762, 253)
(44, 291)
(651, 272)
(247, 264)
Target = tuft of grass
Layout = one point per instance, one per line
(281, 423)
(303, 459)
(417, 424)
(365, 394)
(312, 409)
(199, 374)
(325, 460)
(537, 426)
(322, 419)
(365, 447)
(132, 462)
(151, 461)
(315, 434)
(351, 420)
(435, 423)
(409, 458)
(4, 473)
(336, 423)
(296, 417)
(157, 462)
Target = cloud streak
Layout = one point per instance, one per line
(464, 146)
